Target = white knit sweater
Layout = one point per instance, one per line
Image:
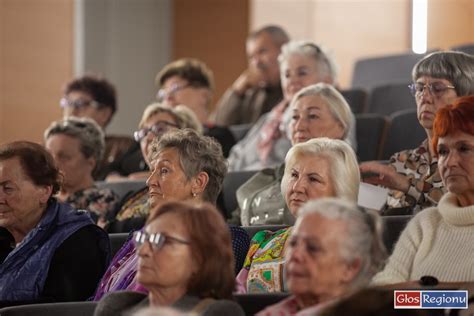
(438, 241)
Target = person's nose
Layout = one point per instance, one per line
(151, 181)
(298, 185)
(144, 250)
(296, 253)
(300, 124)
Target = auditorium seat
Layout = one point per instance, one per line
(375, 71)
(404, 132)
(253, 303)
(392, 228)
(466, 48)
(370, 132)
(122, 188)
(390, 98)
(116, 242)
(51, 309)
(239, 131)
(357, 99)
(227, 201)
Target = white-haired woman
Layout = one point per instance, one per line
(334, 250)
(302, 64)
(320, 167)
(315, 111)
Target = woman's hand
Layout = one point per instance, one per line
(379, 174)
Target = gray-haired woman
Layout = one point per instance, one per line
(302, 64)
(334, 250)
(412, 176)
(77, 146)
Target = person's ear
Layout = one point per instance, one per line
(351, 270)
(199, 183)
(45, 192)
(91, 162)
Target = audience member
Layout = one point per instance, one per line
(439, 241)
(185, 261)
(48, 250)
(412, 176)
(257, 90)
(94, 97)
(190, 82)
(156, 120)
(320, 167)
(186, 167)
(334, 250)
(266, 144)
(77, 146)
(316, 111)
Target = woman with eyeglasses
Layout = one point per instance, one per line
(186, 166)
(77, 146)
(184, 261)
(412, 175)
(156, 120)
(334, 250)
(439, 241)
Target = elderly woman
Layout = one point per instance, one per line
(186, 167)
(176, 264)
(412, 176)
(266, 144)
(156, 120)
(48, 250)
(77, 146)
(439, 241)
(316, 111)
(334, 250)
(320, 167)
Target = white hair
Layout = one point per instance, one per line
(363, 239)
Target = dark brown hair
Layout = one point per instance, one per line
(36, 162)
(456, 117)
(210, 244)
(101, 90)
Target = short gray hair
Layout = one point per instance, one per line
(457, 67)
(364, 235)
(344, 172)
(276, 33)
(337, 105)
(184, 117)
(197, 153)
(326, 64)
(86, 130)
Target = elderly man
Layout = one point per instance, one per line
(257, 90)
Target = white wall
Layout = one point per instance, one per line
(127, 41)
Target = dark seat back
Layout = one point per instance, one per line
(466, 48)
(392, 228)
(51, 309)
(254, 303)
(370, 132)
(390, 98)
(404, 132)
(116, 242)
(357, 99)
(122, 188)
(240, 130)
(232, 181)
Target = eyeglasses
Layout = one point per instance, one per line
(436, 88)
(163, 93)
(157, 129)
(157, 241)
(79, 103)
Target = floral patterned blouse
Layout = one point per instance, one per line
(99, 202)
(263, 267)
(426, 187)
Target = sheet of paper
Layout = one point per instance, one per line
(371, 196)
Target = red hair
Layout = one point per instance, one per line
(456, 117)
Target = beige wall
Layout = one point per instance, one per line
(36, 58)
(352, 29)
(450, 22)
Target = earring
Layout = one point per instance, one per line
(194, 194)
